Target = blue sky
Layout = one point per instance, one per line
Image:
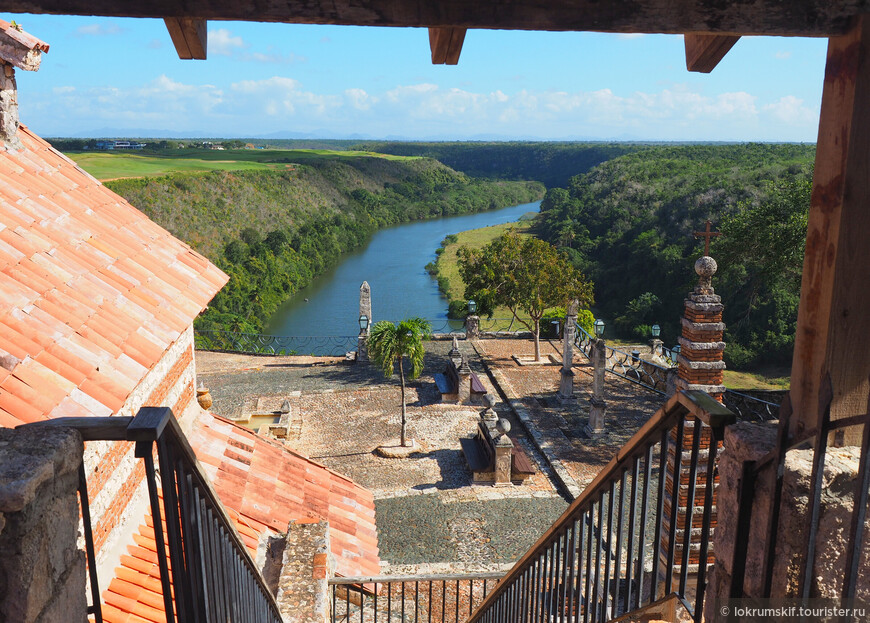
(123, 76)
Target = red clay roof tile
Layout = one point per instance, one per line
(88, 281)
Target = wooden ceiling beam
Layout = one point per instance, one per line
(703, 51)
(819, 18)
(189, 36)
(446, 45)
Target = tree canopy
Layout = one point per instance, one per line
(524, 274)
(388, 345)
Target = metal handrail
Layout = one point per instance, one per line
(593, 565)
(449, 598)
(626, 365)
(213, 577)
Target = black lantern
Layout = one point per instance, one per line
(676, 351)
(656, 330)
(599, 327)
(472, 307)
(363, 322)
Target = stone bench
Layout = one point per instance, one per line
(486, 454)
(450, 384)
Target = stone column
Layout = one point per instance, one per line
(463, 373)
(503, 450)
(566, 382)
(42, 569)
(700, 367)
(472, 327)
(365, 309)
(9, 107)
(598, 355)
(655, 347)
(701, 346)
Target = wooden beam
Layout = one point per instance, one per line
(772, 17)
(189, 36)
(834, 313)
(703, 51)
(446, 45)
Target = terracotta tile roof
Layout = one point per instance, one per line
(92, 292)
(269, 485)
(263, 486)
(24, 38)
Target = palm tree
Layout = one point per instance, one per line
(389, 343)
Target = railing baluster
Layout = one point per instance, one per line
(690, 503)
(617, 565)
(657, 545)
(572, 564)
(596, 610)
(587, 594)
(632, 528)
(675, 505)
(608, 555)
(716, 435)
(96, 607)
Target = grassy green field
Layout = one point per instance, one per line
(767, 378)
(114, 165)
(474, 238)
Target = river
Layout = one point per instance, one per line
(393, 263)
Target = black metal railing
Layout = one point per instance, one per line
(623, 544)
(213, 577)
(750, 408)
(851, 539)
(409, 599)
(654, 377)
(629, 366)
(258, 344)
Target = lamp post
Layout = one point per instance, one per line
(599, 328)
(472, 322)
(362, 340)
(598, 355)
(655, 344)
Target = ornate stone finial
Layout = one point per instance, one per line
(705, 267)
(285, 406)
(464, 368)
(503, 426)
(454, 353)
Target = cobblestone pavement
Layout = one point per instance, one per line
(629, 405)
(431, 518)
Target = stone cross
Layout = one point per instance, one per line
(706, 235)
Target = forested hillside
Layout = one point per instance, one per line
(628, 225)
(273, 231)
(552, 164)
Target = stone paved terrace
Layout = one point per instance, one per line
(430, 517)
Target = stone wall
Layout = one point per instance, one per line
(42, 573)
(752, 441)
(303, 591)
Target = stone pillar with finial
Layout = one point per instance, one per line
(566, 382)
(700, 367)
(365, 309)
(598, 408)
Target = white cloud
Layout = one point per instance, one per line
(222, 42)
(791, 110)
(273, 58)
(783, 54)
(424, 109)
(631, 35)
(100, 29)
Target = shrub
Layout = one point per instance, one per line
(457, 309)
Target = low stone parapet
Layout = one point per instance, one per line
(42, 571)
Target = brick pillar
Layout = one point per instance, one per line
(701, 346)
(700, 367)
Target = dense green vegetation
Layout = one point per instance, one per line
(549, 163)
(628, 225)
(273, 231)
